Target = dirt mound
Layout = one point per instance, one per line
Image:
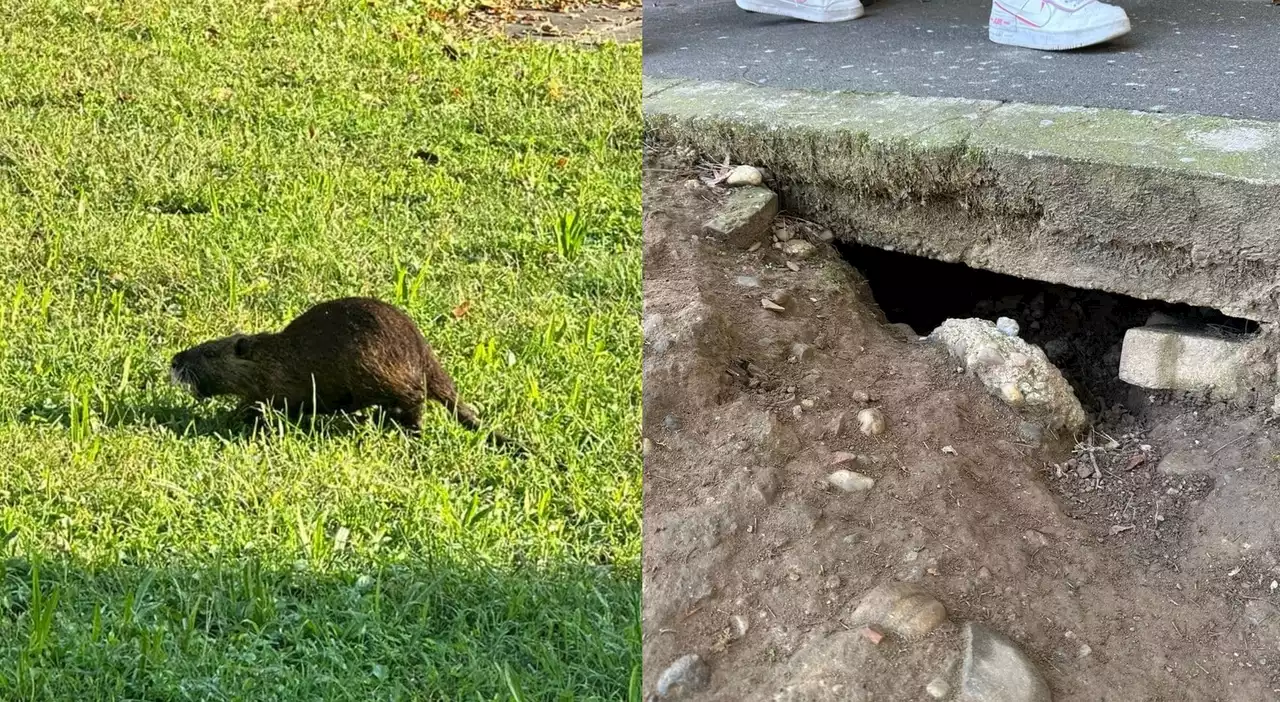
(1134, 565)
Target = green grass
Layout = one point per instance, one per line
(176, 171)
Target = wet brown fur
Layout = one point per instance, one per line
(339, 356)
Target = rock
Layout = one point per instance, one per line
(781, 232)
(744, 216)
(1012, 395)
(744, 175)
(793, 267)
(840, 458)
(771, 305)
(860, 397)
(646, 446)
(688, 674)
(671, 422)
(826, 236)
(835, 427)
(1007, 326)
(871, 635)
(905, 610)
(1031, 433)
(1084, 469)
(783, 298)
(1036, 388)
(747, 281)
(741, 625)
(938, 688)
(1176, 358)
(1084, 650)
(995, 670)
(802, 352)
(871, 421)
(850, 481)
(1180, 463)
(798, 248)
(765, 487)
(1160, 319)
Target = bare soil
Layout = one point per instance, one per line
(1131, 584)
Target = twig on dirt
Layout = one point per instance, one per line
(1229, 443)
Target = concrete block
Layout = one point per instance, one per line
(744, 216)
(1178, 358)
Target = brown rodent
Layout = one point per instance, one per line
(339, 356)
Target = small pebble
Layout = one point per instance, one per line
(771, 305)
(747, 281)
(861, 397)
(797, 411)
(646, 445)
(782, 234)
(1007, 326)
(849, 481)
(671, 422)
(938, 688)
(806, 403)
(794, 267)
(802, 352)
(1084, 650)
(1084, 470)
(755, 246)
(871, 421)
(1012, 395)
(871, 635)
(689, 673)
(740, 625)
(744, 175)
(798, 248)
(826, 236)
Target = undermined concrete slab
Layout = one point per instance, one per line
(1180, 208)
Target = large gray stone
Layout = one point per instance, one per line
(1013, 370)
(744, 216)
(1178, 358)
(995, 670)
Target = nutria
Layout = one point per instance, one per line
(338, 356)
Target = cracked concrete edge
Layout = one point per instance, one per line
(1217, 147)
(1172, 207)
(1179, 208)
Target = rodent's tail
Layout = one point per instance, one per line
(467, 418)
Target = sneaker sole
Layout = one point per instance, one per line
(835, 12)
(1058, 41)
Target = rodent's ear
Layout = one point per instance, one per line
(244, 346)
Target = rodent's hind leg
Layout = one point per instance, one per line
(407, 416)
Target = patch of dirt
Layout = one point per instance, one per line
(558, 21)
(1169, 577)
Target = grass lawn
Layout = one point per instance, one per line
(175, 171)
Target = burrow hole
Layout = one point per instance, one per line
(1081, 331)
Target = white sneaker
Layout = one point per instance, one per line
(811, 10)
(1055, 25)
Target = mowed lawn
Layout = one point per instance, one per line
(176, 171)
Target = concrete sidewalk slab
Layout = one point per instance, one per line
(1181, 208)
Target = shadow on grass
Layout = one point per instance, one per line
(201, 421)
(239, 629)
